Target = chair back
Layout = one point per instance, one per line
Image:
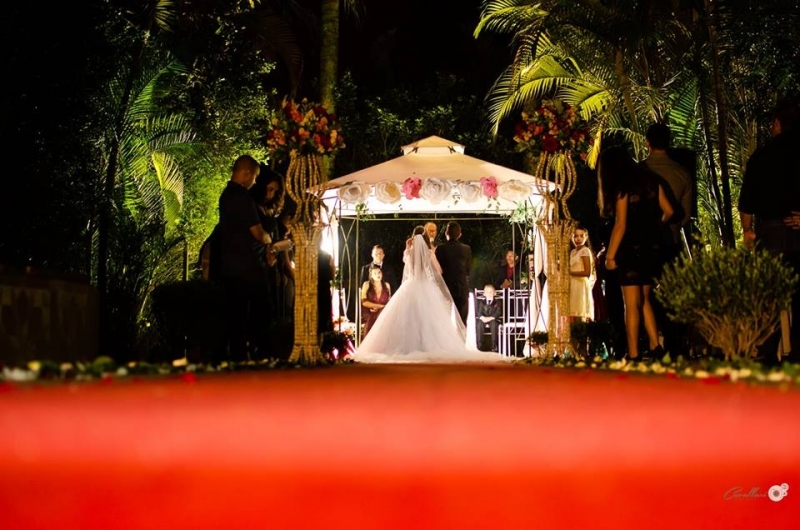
(515, 306)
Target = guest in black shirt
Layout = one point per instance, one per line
(769, 209)
(241, 240)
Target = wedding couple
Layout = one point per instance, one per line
(425, 319)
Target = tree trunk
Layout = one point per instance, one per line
(722, 127)
(625, 87)
(329, 54)
(104, 222)
(329, 63)
(713, 183)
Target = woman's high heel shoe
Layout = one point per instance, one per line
(657, 353)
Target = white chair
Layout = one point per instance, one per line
(515, 324)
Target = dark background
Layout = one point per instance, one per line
(405, 43)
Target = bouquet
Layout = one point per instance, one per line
(303, 128)
(554, 126)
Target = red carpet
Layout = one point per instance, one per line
(412, 446)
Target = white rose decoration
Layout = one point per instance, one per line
(470, 191)
(514, 190)
(354, 193)
(435, 190)
(388, 192)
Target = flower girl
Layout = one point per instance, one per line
(582, 276)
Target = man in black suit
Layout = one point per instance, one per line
(379, 260)
(455, 258)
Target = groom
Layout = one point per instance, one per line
(455, 258)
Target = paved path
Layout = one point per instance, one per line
(399, 446)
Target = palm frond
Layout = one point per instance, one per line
(148, 15)
(170, 179)
(509, 16)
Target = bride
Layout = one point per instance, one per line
(420, 322)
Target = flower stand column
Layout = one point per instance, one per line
(304, 175)
(305, 133)
(556, 133)
(557, 226)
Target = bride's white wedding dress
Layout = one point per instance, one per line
(420, 322)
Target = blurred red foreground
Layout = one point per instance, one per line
(398, 446)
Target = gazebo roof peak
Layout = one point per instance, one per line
(432, 144)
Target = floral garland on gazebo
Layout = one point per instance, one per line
(436, 190)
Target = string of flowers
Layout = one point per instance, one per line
(436, 190)
(303, 128)
(554, 126)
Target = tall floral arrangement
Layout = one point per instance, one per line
(554, 126)
(305, 132)
(303, 128)
(557, 135)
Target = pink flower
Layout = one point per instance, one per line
(489, 186)
(411, 187)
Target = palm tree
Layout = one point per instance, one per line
(555, 41)
(146, 16)
(628, 62)
(147, 198)
(183, 26)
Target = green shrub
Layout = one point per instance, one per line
(732, 296)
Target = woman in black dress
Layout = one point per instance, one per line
(632, 195)
(268, 194)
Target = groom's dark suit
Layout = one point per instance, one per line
(455, 258)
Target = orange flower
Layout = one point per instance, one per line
(303, 128)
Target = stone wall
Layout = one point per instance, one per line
(46, 316)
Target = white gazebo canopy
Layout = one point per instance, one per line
(451, 182)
